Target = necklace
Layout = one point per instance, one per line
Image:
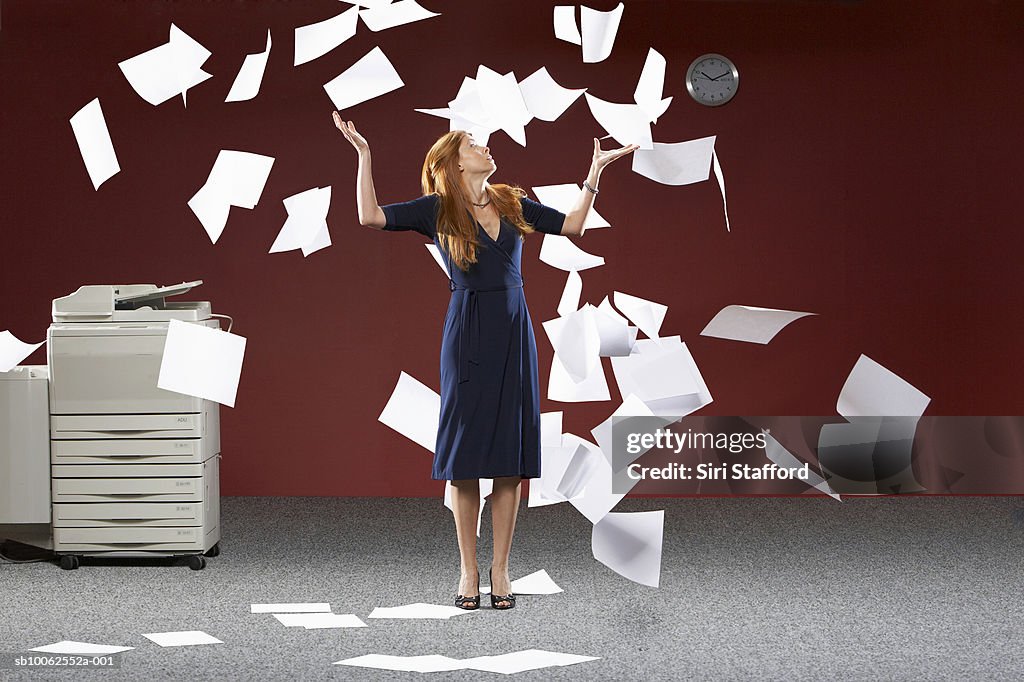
(486, 203)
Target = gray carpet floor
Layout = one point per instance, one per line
(913, 588)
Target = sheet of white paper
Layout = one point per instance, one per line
(717, 167)
(565, 25)
(320, 621)
(420, 664)
(651, 85)
(627, 123)
(560, 252)
(785, 460)
(185, 638)
(316, 40)
(84, 648)
(750, 324)
(576, 341)
(597, 498)
(538, 582)
(630, 544)
(551, 429)
(598, 30)
(372, 76)
(655, 373)
(570, 300)
(307, 219)
(676, 163)
(521, 661)
(413, 410)
(545, 99)
(581, 469)
(606, 308)
(467, 103)
(94, 143)
(396, 14)
(615, 334)
(321, 241)
(13, 350)
(250, 76)
(503, 103)
(236, 179)
(563, 198)
(438, 258)
(368, 4)
(555, 459)
(202, 362)
(563, 388)
(418, 610)
(298, 607)
(167, 70)
(871, 390)
(631, 407)
(647, 315)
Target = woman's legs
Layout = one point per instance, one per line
(466, 509)
(505, 506)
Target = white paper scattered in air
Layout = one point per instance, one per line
(413, 410)
(750, 324)
(647, 315)
(94, 143)
(565, 24)
(627, 123)
(372, 76)
(396, 14)
(570, 301)
(650, 86)
(630, 544)
(560, 252)
(503, 102)
(13, 350)
(316, 40)
(676, 163)
(167, 70)
(250, 76)
(871, 390)
(598, 30)
(307, 219)
(201, 361)
(563, 198)
(785, 460)
(438, 258)
(545, 99)
(236, 179)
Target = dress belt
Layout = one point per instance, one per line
(469, 327)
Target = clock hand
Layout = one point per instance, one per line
(720, 75)
(706, 76)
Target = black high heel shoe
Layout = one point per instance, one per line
(469, 603)
(495, 599)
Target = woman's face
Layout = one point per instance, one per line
(475, 158)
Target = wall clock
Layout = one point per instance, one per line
(712, 79)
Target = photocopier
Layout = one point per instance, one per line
(134, 469)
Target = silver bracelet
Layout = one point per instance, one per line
(589, 188)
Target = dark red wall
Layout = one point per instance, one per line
(872, 159)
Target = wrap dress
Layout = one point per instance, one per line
(490, 390)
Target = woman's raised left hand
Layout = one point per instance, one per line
(602, 157)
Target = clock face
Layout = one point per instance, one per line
(712, 79)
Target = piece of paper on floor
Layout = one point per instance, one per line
(84, 648)
(563, 198)
(316, 40)
(94, 143)
(521, 661)
(420, 664)
(565, 24)
(627, 123)
(167, 70)
(750, 324)
(598, 30)
(396, 14)
(307, 219)
(320, 621)
(414, 411)
(544, 98)
(559, 252)
(13, 350)
(202, 362)
(250, 76)
(871, 390)
(418, 610)
(563, 388)
(676, 163)
(184, 638)
(438, 258)
(647, 315)
(236, 179)
(629, 543)
(570, 300)
(538, 582)
(503, 102)
(372, 76)
(304, 607)
(774, 451)
(651, 85)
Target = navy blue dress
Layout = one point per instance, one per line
(490, 390)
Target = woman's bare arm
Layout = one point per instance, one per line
(573, 224)
(370, 213)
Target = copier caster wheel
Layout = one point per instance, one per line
(197, 562)
(69, 562)
(213, 551)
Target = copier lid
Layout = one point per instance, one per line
(129, 303)
(151, 292)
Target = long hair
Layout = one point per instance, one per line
(456, 227)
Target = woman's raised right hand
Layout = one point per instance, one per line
(348, 129)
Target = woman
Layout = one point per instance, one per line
(490, 394)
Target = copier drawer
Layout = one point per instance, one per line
(135, 451)
(142, 538)
(127, 489)
(128, 470)
(124, 514)
(133, 426)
